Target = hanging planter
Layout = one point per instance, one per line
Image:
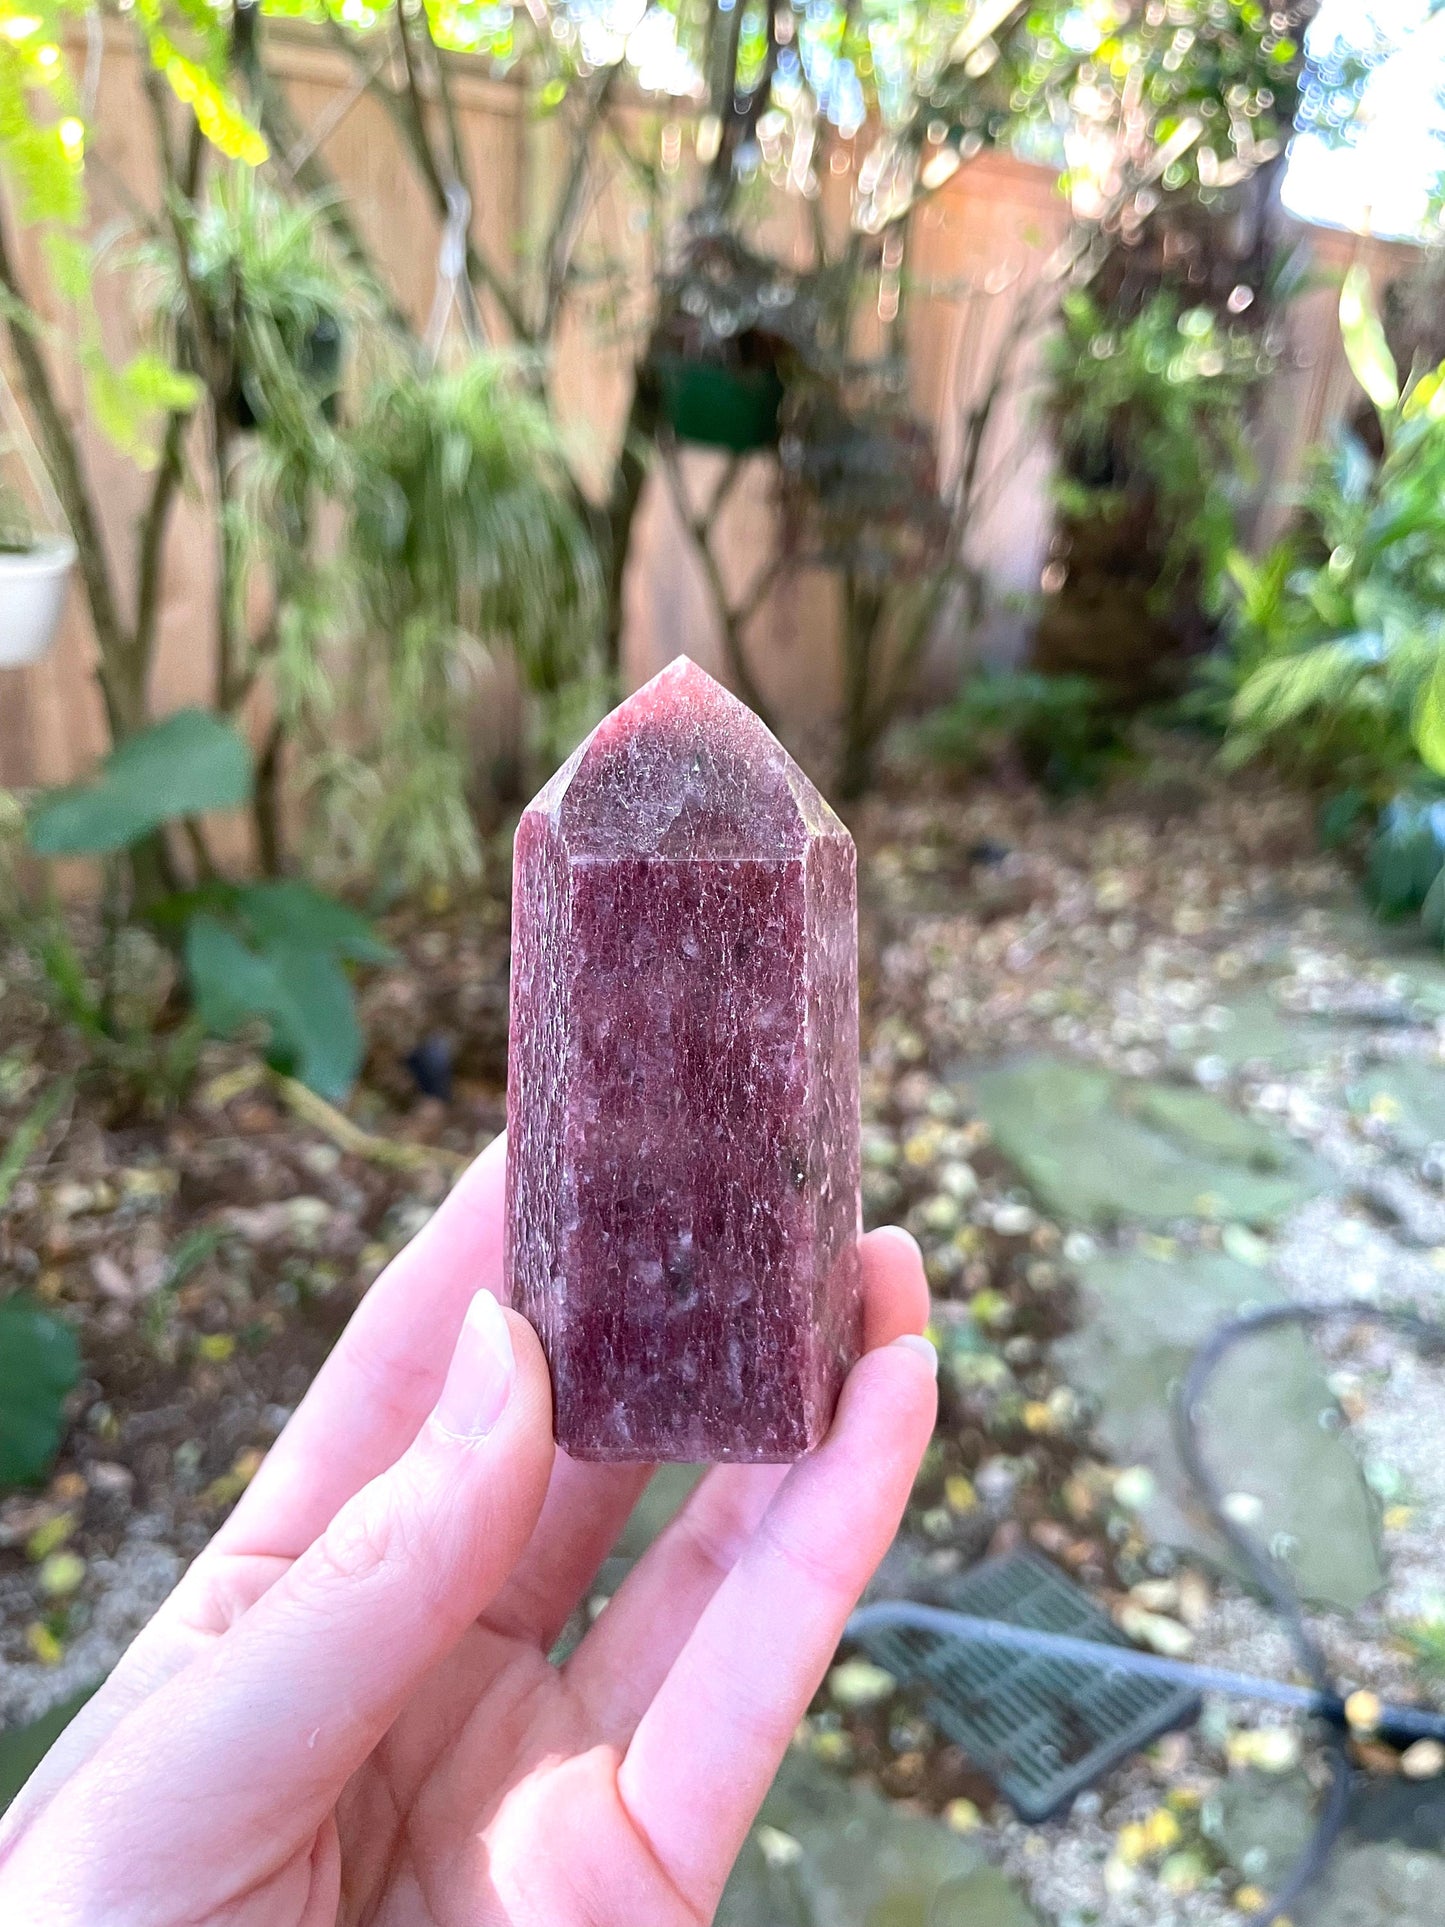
(35, 557)
(33, 582)
(737, 328)
(718, 406)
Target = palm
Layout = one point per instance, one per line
(347, 1711)
(515, 1817)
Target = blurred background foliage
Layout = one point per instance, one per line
(396, 508)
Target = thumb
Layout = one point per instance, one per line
(263, 1732)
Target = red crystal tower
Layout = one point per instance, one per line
(682, 1103)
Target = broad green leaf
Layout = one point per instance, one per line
(303, 996)
(231, 986)
(326, 1044)
(189, 763)
(22, 1748)
(1341, 815)
(1429, 721)
(126, 401)
(1406, 855)
(1432, 910)
(155, 384)
(1366, 349)
(39, 1366)
(294, 915)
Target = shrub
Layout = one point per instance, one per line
(1336, 662)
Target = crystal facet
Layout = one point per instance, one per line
(682, 1108)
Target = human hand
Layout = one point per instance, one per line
(346, 1712)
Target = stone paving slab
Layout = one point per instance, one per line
(1276, 1435)
(1102, 1150)
(1382, 1872)
(828, 1853)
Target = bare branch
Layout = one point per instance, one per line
(151, 530)
(310, 175)
(731, 620)
(558, 252)
(61, 447)
(405, 107)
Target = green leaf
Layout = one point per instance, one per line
(125, 401)
(39, 1366)
(1432, 910)
(22, 1748)
(294, 915)
(1429, 721)
(231, 986)
(326, 1045)
(189, 763)
(1406, 856)
(1366, 349)
(303, 996)
(1341, 815)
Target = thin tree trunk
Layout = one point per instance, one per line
(613, 524)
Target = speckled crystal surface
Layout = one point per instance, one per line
(682, 1105)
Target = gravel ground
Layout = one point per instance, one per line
(1124, 932)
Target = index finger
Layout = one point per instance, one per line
(713, 1737)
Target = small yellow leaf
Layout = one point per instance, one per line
(43, 1643)
(46, 1538)
(963, 1816)
(62, 1573)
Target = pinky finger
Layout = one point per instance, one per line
(712, 1739)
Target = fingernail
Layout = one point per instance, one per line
(916, 1342)
(479, 1378)
(900, 1236)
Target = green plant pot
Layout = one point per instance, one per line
(733, 408)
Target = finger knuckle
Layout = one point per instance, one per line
(361, 1543)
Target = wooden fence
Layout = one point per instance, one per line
(984, 241)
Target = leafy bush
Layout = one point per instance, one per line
(1060, 727)
(1337, 646)
(188, 764)
(1147, 415)
(268, 954)
(463, 539)
(255, 304)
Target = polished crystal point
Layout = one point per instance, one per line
(682, 1104)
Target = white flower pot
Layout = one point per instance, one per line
(32, 595)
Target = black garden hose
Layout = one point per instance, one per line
(1322, 1697)
(1268, 1574)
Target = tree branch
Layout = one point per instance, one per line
(461, 173)
(558, 252)
(67, 470)
(731, 620)
(174, 193)
(151, 530)
(311, 176)
(404, 105)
